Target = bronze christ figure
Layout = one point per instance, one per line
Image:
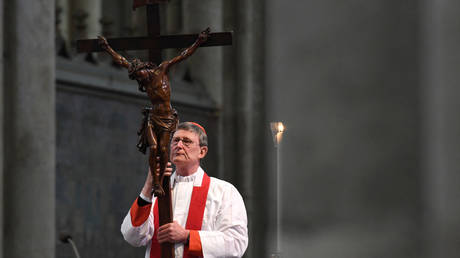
(160, 120)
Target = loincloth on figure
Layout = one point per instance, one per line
(161, 123)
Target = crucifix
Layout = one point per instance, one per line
(160, 120)
(154, 42)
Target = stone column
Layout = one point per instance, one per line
(64, 26)
(251, 125)
(29, 224)
(117, 14)
(2, 126)
(206, 64)
(86, 13)
(441, 126)
(171, 23)
(139, 21)
(125, 26)
(173, 17)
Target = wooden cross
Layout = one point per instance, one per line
(155, 42)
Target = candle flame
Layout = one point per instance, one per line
(280, 127)
(277, 129)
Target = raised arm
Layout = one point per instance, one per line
(202, 37)
(117, 58)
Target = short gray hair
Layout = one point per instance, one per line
(194, 127)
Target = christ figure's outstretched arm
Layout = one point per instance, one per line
(202, 37)
(117, 58)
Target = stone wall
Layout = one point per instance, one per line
(2, 126)
(440, 66)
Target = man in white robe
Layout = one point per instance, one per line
(209, 214)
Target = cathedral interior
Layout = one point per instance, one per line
(368, 165)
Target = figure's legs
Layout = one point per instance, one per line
(153, 146)
(163, 152)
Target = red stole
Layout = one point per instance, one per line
(194, 218)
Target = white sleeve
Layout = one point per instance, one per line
(138, 226)
(230, 238)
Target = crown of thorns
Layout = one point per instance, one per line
(137, 65)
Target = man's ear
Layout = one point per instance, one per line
(203, 151)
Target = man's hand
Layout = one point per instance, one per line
(173, 233)
(147, 189)
(103, 42)
(204, 35)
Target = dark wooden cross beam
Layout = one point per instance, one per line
(155, 42)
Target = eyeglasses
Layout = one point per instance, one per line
(185, 141)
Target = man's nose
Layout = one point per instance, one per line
(180, 143)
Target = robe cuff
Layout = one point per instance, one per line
(139, 214)
(194, 245)
(145, 198)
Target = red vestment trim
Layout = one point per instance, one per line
(139, 214)
(194, 218)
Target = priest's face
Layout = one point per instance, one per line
(186, 149)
